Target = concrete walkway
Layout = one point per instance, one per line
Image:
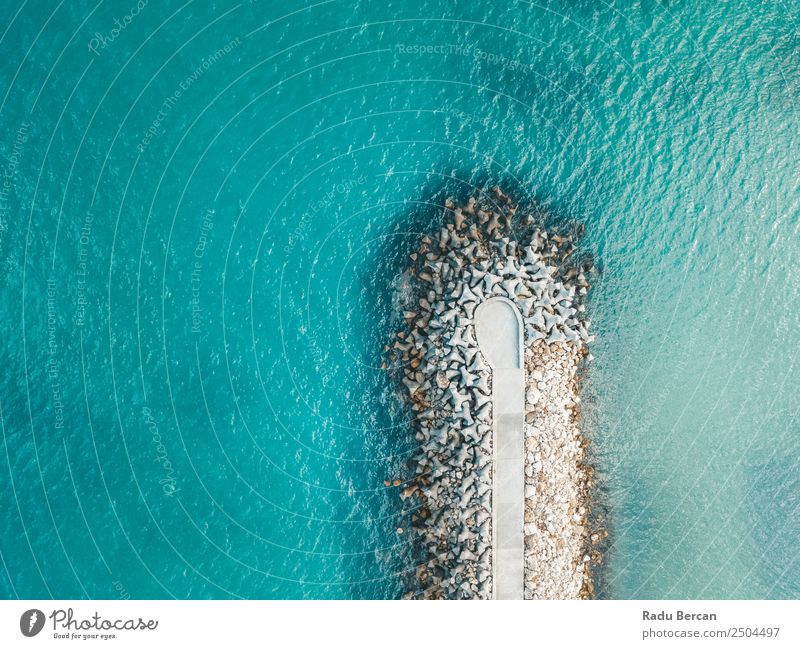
(498, 327)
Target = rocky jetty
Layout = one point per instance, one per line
(489, 247)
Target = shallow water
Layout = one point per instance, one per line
(193, 317)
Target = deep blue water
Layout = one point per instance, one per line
(201, 218)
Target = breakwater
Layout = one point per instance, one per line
(484, 249)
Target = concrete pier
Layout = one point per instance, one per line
(498, 327)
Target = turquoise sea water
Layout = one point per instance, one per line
(202, 215)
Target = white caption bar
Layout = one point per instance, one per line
(353, 624)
